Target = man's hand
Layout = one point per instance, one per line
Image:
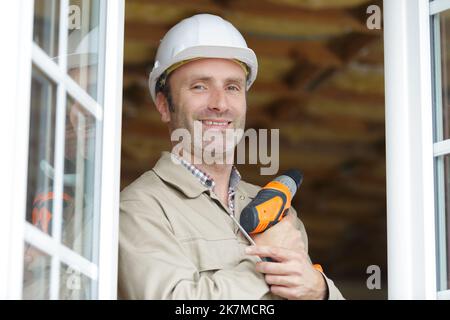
(291, 276)
(284, 234)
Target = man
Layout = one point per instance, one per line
(177, 239)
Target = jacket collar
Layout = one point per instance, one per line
(169, 169)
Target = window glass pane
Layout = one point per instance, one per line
(46, 25)
(82, 146)
(36, 274)
(79, 180)
(445, 69)
(74, 285)
(41, 151)
(441, 30)
(442, 166)
(84, 50)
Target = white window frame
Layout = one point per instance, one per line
(410, 149)
(112, 129)
(16, 22)
(16, 27)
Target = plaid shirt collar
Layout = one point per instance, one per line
(209, 182)
(205, 179)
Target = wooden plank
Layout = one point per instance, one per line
(320, 4)
(250, 16)
(317, 52)
(358, 78)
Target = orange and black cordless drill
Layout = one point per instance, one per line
(271, 203)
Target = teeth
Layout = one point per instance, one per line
(209, 123)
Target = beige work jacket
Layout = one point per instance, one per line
(177, 240)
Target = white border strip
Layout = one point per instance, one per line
(50, 246)
(438, 6)
(52, 70)
(16, 26)
(409, 151)
(112, 125)
(441, 148)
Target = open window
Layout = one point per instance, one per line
(61, 243)
(417, 101)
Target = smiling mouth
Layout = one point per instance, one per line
(215, 124)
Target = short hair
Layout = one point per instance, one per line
(163, 86)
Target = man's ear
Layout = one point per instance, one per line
(163, 107)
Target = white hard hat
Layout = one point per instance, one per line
(202, 36)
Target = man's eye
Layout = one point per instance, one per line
(233, 88)
(199, 87)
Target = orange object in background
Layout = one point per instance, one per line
(42, 210)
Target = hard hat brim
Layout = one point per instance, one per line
(245, 55)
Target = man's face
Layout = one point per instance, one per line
(209, 93)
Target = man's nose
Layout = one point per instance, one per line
(217, 100)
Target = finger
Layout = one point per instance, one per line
(286, 281)
(277, 268)
(284, 292)
(276, 253)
